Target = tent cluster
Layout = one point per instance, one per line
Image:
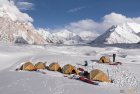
(66, 69)
(95, 75)
(28, 66)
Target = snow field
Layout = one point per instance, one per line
(126, 77)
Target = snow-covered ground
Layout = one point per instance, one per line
(126, 76)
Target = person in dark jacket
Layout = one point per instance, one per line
(114, 57)
(86, 73)
(86, 63)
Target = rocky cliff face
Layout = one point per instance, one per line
(18, 32)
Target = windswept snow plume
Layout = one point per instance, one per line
(8, 9)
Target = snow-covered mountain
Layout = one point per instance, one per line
(62, 37)
(88, 36)
(124, 33)
(15, 27)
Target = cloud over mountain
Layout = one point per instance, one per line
(115, 19)
(8, 7)
(89, 25)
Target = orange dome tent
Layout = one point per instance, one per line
(98, 75)
(40, 65)
(28, 66)
(54, 67)
(104, 59)
(69, 69)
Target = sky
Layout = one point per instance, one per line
(75, 15)
(55, 13)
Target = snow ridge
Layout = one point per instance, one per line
(67, 37)
(62, 37)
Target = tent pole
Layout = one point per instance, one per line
(108, 73)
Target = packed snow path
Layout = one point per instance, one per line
(126, 77)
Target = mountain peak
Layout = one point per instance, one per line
(123, 33)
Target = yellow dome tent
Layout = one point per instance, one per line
(54, 67)
(40, 65)
(69, 69)
(28, 66)
(104, 59)
(98, 75)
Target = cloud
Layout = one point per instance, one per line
(115, 19)
(83, 25)
(89, 25)
(119, 18)
(25, 6)
(75, 9)
(21, 4)
(2, 2)
(9, 8)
